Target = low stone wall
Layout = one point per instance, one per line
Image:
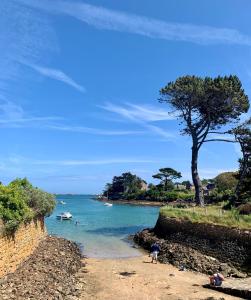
(16, 249)
(232, 246)
(200, 247)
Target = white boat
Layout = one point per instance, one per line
(62, 202)
(64, 216)
(108, 204)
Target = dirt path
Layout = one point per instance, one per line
(137, 279)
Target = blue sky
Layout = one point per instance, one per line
(79, 85)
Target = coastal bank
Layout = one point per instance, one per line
(203, 247)
(17, 247)
(51, 271)
(200, 247)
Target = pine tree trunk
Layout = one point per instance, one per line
(199, 197)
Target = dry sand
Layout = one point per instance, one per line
(138, 279)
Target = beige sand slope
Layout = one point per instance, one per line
(137, 279)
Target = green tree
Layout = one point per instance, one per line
(226, 181)
(132, 183)
(166, 175)
(242, 134)
(127, 183)
(204, 105)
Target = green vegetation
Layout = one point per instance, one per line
(210, 214)
(242, 135)
(160, 196)
(123, 185)
(131, 187)
(204, 105)
(167, 175)
(20, 202)
(226, 181)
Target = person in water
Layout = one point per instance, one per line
(155, 249)
(216, 279)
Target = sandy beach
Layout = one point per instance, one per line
(138, 279)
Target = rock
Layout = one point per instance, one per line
(177, 252)
(225, 269)
(49, 273)
(238, 274)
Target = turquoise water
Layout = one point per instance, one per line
(102, 231)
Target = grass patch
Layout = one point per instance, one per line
(210, 214)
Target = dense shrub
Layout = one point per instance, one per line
(41, 202)
(217, 197)
(20, 202)
(158, 195)
(13, 208)
(226, 181)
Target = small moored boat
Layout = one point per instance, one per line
(64, 216)
(108, 204)
(62, 202)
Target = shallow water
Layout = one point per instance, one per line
(102, 231)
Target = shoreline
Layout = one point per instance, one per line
(84, 278)
(134, 202)
(136, 278)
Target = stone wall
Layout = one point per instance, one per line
(200, 247)
(228, 245)
(16, 249)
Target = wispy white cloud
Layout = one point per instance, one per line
(142, 112)
(104, 18)
(14, 116)
(142, 115)
(9, 110)
(25, 35)
(93, 162)
(97, 131)
(57, 75)
(17, 160)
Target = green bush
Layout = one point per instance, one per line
(42, 203)
(217, 197)
(13, 207)
(159, 195)
(20, 202)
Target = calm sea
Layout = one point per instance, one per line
(102, 231)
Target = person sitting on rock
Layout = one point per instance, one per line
(216, 279)
(155, 249)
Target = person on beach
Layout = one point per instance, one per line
(216, 279)
(155, 249)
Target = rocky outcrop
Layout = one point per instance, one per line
(183, 256)
(200, 247)
(228, 245)
(49, 273)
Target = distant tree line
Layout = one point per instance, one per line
(131, 187)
